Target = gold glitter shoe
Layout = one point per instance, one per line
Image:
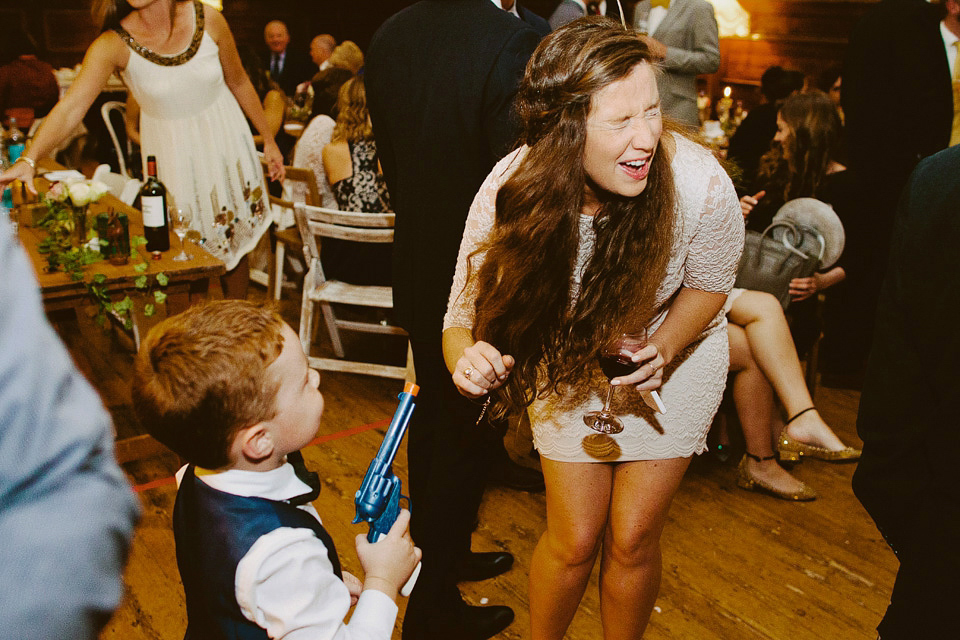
(791, 450)
(748, 482)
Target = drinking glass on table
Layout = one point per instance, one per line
(615, 361)
(180, 218)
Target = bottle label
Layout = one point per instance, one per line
(152, 211)
(14, 151)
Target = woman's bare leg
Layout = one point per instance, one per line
(578, 499)
(753, 398)
(761, 317)
(631, 562)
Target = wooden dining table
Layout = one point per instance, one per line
(189, 281)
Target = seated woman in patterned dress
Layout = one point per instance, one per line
(353, 171)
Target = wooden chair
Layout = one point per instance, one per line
(114, 113)
(318, 222)
(285, 235)
(123, 187)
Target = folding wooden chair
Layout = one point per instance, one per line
(316, 223)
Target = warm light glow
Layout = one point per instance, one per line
(216, 4)
(732, 19)
(726, 91)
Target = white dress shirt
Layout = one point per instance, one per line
(949, 38)
(285, 583)
(512, 9)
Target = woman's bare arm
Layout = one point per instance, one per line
(106, 55)
(241, 88)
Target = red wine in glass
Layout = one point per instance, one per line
(616, 365)
(615, 360)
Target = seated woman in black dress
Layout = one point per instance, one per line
(353, 171)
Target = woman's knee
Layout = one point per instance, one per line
(755, 305)
(573, 547)
(633, 547)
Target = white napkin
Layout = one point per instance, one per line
(62, 176)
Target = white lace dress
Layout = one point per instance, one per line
(205, 154)
(705, 257)
(308, 154)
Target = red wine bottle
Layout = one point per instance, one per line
(153, 201)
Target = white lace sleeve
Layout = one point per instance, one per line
(717, 242)
(308, 155)
(480, 221)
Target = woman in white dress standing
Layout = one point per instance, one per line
(601, 223)
(179, 60)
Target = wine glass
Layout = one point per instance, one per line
(180, 218)
(615, 361)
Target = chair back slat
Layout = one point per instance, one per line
(296, 174)
(123, 154)
(354, 234)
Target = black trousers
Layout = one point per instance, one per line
(909, 489)
(449, 455)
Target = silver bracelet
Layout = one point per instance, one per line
(29, 161)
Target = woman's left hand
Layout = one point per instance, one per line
(271, 153)
(649, 375)
(803, 288)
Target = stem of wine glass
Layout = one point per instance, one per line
(606, 404)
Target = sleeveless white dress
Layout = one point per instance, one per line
(205, 154)
(705, 256)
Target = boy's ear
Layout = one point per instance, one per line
(256, 442)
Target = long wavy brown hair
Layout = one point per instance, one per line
(524, 305)
(796, 168)
(353, 117)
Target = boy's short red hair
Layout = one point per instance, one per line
(201, 376)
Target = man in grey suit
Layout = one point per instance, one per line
(683, 34)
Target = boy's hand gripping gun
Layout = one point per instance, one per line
(378, 499)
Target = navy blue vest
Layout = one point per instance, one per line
(213, 531)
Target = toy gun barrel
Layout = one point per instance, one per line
(398, 427)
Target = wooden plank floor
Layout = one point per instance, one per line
(735, 564)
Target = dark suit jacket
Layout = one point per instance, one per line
(297, 68)
(539, 25)
(897, 96)
(898, 103)
(441, 77)
(908, 409)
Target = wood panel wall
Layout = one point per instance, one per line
(808, 35)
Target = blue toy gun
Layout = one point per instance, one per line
(378, 499)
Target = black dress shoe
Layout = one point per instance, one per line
(483, 566)
(486, 622)
(463, 623)
(509, 474)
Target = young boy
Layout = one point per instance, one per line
(227, 387)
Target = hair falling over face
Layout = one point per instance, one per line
(524, 306)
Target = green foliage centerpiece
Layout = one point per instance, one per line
(70, 246)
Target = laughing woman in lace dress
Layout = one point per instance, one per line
(179, 60)
(601, 223)
(353, 171)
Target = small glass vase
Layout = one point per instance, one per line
(79, 226)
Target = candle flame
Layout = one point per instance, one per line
(726, 92)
